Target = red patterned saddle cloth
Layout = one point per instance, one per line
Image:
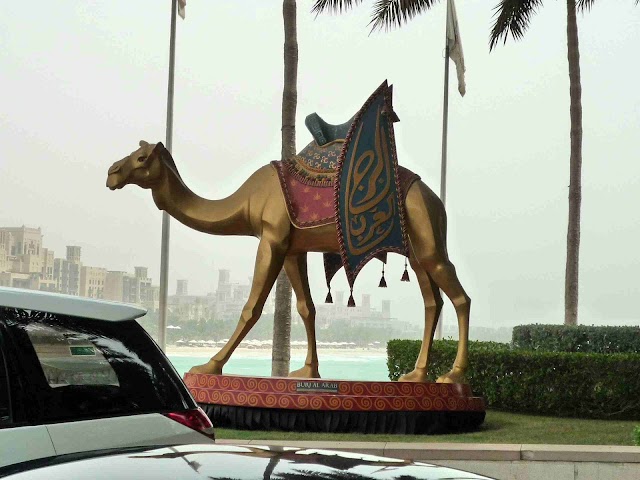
(307, 182)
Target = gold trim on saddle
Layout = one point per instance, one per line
(316, 165)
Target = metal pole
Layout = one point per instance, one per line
(164, 248)
(445, 122)
(443, 165)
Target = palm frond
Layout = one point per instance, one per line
(336, 6)
(393, 13)
(583, 5)
(513, 16)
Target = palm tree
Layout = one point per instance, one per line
(386, 13)
(281, 353)
(513, 16)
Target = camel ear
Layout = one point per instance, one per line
(158, 150)
(142, 143)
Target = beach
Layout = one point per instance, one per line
(240, 352)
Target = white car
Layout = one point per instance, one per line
(78, 374)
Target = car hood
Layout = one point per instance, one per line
(233, 462)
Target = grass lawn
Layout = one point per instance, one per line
(499, 427)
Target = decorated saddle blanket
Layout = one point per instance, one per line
(356, 184)
(308, 188)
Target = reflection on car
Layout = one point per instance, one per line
(221, 462)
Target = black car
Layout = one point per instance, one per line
(223, 462)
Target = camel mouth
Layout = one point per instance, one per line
(113, 184)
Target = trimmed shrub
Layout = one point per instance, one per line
(577, 338)
(552, 383)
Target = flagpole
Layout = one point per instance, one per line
(164, 248)
(443, 164)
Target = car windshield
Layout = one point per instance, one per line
(81, 368)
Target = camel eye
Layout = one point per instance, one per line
(142, 159)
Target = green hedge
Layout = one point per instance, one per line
(636, 435)
(577, 338)
(552, 383)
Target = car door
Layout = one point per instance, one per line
(19, 440)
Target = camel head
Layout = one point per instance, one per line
(144, 167)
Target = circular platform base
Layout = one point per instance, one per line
(272, 403)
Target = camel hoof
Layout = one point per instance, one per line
(212, 367)
(308, 371)
(418, 375)
(456, 375)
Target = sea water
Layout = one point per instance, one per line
(333, 367)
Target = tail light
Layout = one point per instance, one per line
(195, 419)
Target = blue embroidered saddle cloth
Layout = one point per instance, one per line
(368, 193)
(351, 169)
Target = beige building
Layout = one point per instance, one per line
(22, 240)
(4, 249)
(23, 260)
(20, 249)
(131, 288)
(92, 282)
(24, 263)
(47, 264)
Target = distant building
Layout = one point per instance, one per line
(190, 308)
(92, 280)
(182, 287)
(230, 298)
(73, 254)
(134, 288)
(25, 263)
(66, 272)
(332, 315)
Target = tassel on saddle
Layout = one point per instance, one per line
(329, 298)
(351, 302)
(383, 282)
(405, 275)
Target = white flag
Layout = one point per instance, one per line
(455, 45)
(181, 5)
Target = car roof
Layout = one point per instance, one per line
(68, 305)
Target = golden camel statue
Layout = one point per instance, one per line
(258, 209)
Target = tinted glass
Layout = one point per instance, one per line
(68, 357)
(4, 390)
(82, 368)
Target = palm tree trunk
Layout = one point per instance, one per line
(281, 353)
(575, 169)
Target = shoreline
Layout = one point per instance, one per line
(266, 352)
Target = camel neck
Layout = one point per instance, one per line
(217, 217)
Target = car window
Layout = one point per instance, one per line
(83, 368)
(68, 357)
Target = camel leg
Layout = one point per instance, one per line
(269, 260)
(432, 308)
(428, 238)
(296, 268)
(444, 274)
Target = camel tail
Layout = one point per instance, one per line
(442, 227)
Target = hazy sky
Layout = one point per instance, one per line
(81, 82)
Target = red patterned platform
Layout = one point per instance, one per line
(305, 394)
(335, 405)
